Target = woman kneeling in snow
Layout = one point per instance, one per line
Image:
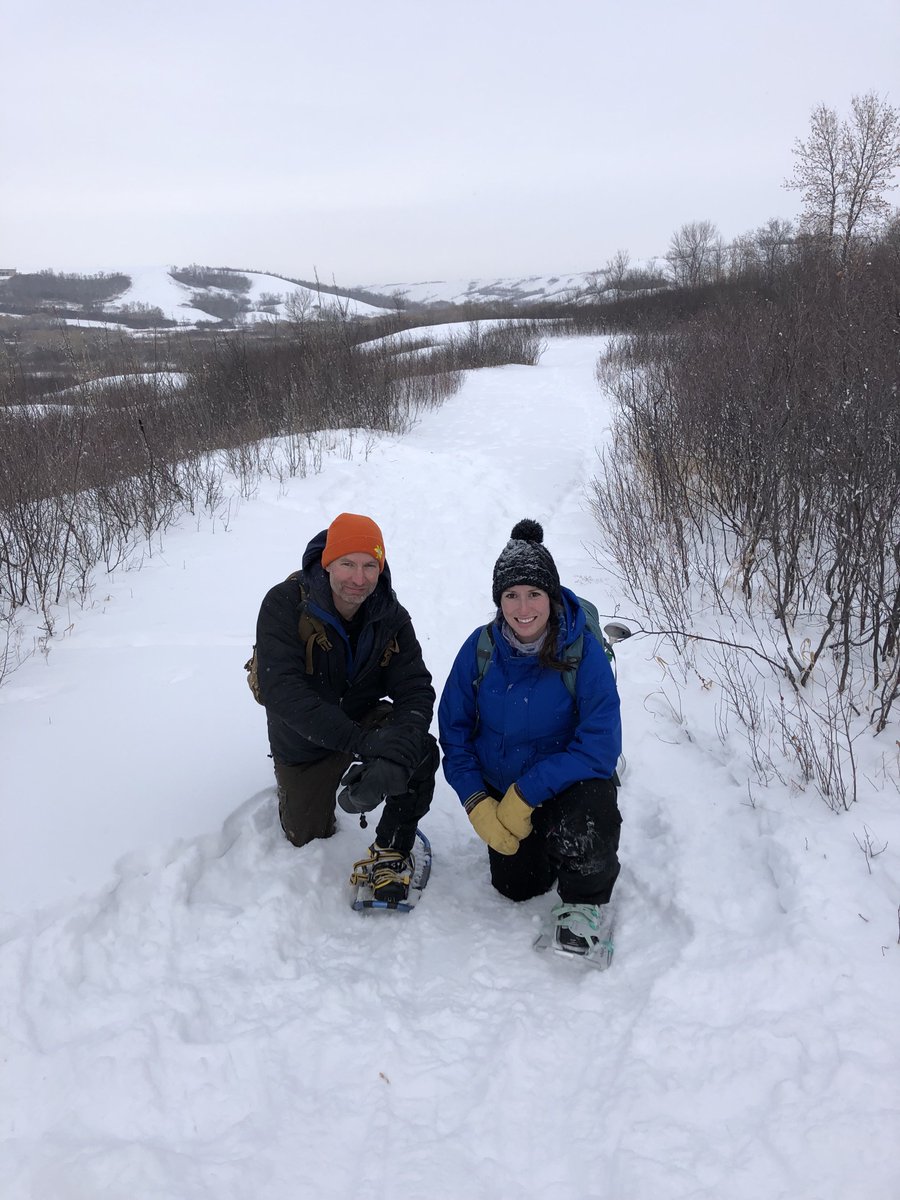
(533, 765)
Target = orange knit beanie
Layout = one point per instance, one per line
(350, 533)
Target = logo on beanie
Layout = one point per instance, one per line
(378, 551)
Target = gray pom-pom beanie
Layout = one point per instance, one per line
(526, 560)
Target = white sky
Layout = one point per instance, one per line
(405, 140)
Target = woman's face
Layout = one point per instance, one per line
(526, 610)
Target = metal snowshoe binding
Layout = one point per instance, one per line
(387, 872)
(584, 929)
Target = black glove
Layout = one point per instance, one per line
(367, 784)
(402, 744)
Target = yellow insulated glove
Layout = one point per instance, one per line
(514, 813)
(482, 812)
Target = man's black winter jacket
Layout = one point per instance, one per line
(312, 715)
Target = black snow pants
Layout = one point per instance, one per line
(574, 843)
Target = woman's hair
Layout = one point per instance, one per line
(548, 655)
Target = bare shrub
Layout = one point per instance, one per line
(49, 288)
(226, 308)
(493, 346)
(269, 301)
(756, 476)
(95, 480)
(152, 312)
(211, 277)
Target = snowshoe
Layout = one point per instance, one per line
(388, 881)
(581, 932)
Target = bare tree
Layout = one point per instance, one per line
(819, 171)
(773, 244)
(694, 253)
(844, 168)
(873, 155)
(616, 271)
(299, 307)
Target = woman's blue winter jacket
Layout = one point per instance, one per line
(521, 725)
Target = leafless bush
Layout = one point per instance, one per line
(137, 308)
(95, 480)
(207, 277)
(49, 287)
(226, 308)
(756, 472)
(492, 346)
(269, 301)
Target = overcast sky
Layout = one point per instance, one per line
(401, 140)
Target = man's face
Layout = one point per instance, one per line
(353, 578)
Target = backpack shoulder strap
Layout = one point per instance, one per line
(575, 652)
(308, 626)
(392, 648)
(311, 630)
(592, 620)
(484, 652)
(314, 632)
(573, 658)
(484, 649)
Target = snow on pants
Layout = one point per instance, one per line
(574, 842)
(307, 793)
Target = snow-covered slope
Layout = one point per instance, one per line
(190, 1009)
(155, 286)
(268, 297)
(522, 289)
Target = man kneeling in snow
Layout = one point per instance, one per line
(341, 675)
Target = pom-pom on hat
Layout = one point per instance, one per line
(526, 560)
(350, 533)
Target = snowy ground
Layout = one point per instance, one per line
(191, 1010)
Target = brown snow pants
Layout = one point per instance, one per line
(307, 792)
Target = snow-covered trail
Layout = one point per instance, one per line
(219, 1023)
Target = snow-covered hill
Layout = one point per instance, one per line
(524, 289)
(272, 297)
(268, 297)
(191, 1010)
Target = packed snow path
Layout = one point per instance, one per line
(217, 1023)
